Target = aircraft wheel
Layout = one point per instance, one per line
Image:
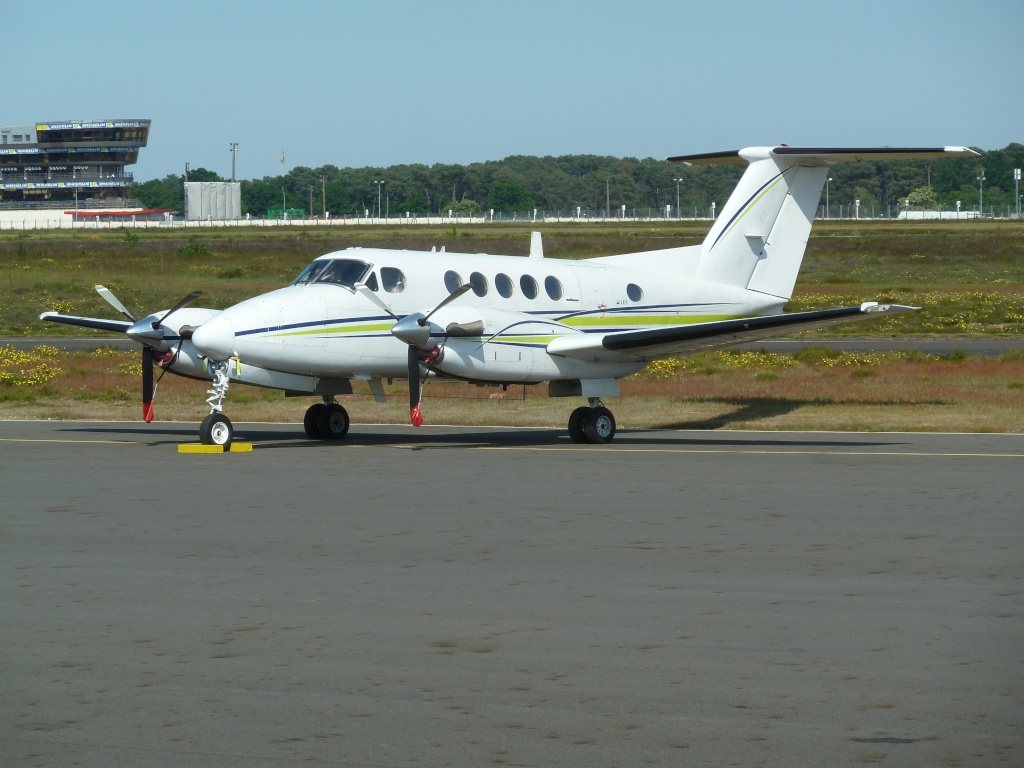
(311, 419)
(216, 429)
(576, 424)
(599, 425)
(332, 423)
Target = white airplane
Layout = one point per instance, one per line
(375, 315)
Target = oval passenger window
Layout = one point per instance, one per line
(503, 285)
(529, 287)
(452, 280)
(553, 287)
(479, 283)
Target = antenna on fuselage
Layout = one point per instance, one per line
(536, 246)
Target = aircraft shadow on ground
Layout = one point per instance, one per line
(489, 437)
(753, 409)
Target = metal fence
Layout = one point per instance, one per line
(29, 219)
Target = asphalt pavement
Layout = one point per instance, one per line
(476, 596)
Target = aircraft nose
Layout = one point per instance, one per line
(215, 338)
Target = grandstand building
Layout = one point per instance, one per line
(69, 164)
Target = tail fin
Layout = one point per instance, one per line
(758, 240)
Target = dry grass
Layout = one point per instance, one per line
(972, 395)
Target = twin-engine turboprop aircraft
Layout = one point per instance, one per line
(376, 315)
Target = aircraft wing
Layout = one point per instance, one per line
(655, 343)
(118, 326)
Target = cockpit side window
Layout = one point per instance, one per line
(392, 279)
(309, 274)
(346, 272)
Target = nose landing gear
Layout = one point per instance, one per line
(216, 428)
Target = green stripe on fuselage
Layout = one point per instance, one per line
(345, 330)
(631, 321)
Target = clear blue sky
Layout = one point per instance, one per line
(382, 83)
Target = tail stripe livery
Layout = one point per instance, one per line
(746, 207)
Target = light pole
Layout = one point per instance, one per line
(310, 201)
(677, 197)
(1016, 188)
(378, 183)
(234, 151)
(607, 198)
(827, 182)
(981, 192)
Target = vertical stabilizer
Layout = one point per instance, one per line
(758, 241)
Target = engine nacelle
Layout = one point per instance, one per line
(511, 347)
(186, 362)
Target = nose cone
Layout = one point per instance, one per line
(409, 330)
(144, 332)
(215, 338)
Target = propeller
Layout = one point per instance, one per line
(108, 295)
(415, 412)
(414, 330)
(148, 387)
(149, 333)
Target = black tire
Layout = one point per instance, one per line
(599, 426)
(576, 419)
(332, 423)
(216, 429)
(311, 420)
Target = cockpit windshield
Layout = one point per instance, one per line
(346, 272)
(310, 273)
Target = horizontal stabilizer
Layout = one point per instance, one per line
(654, 343)
(826, 154)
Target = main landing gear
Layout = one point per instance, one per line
(326, 421)
(592, 424)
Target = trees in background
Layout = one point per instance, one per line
(594, 183)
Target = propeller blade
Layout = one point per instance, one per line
(107, 295)
(365, 291)
(415, 414)
(448, 300)
(147, 384)
(183, 303)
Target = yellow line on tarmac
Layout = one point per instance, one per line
(580, 449)
(763, 451)
(68, 440)
(621, 450)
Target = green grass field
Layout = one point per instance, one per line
(967, 276)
